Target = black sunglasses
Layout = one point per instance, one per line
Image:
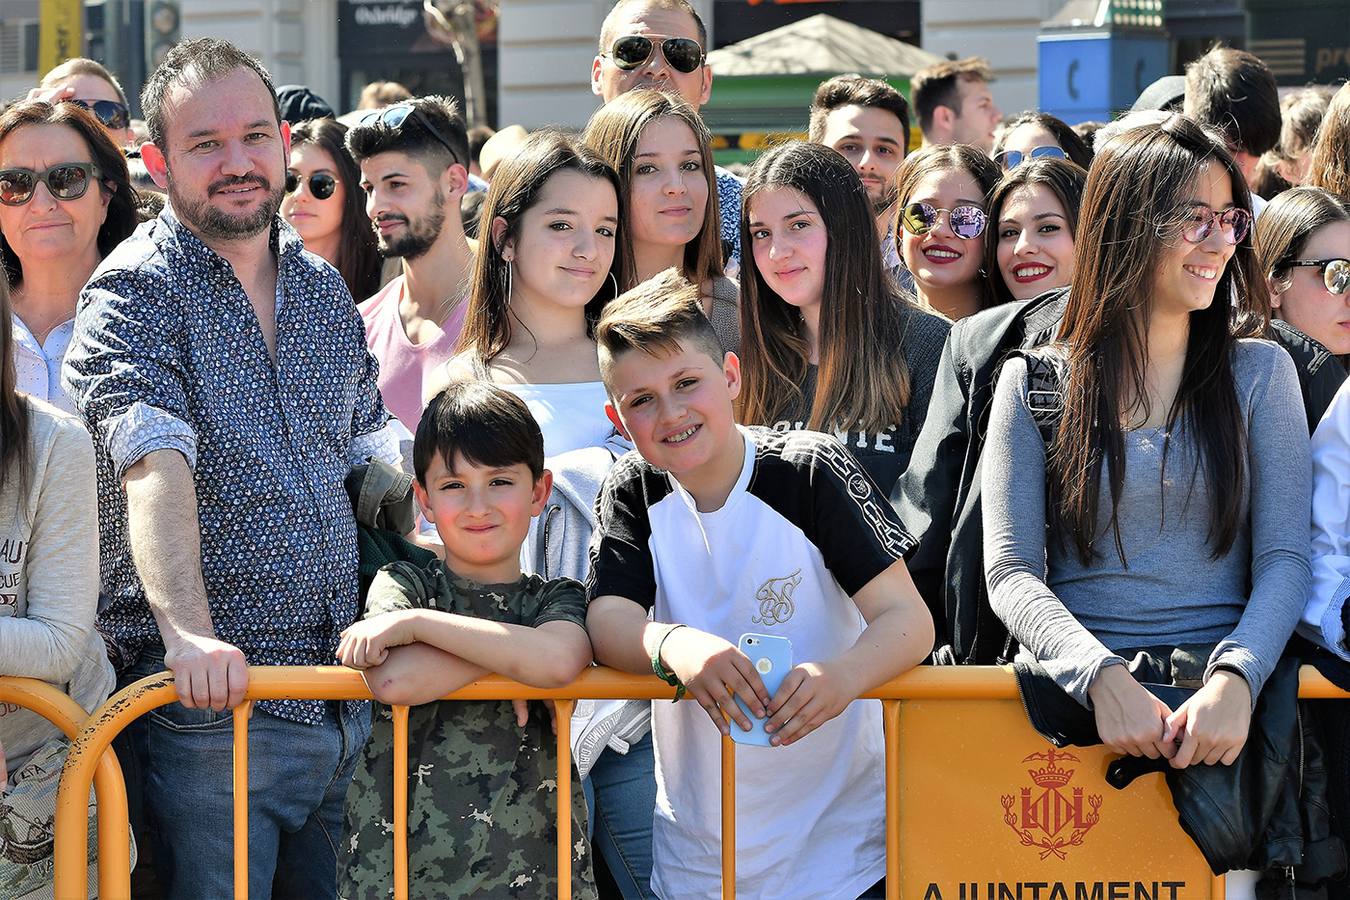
(66, 181)
(393, 117)
(321, 184)
(111, 113)
(633, 50)
(1335, 273)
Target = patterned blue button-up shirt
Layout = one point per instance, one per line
(168, 354)
(729, 205)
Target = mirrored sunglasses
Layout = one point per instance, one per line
(632, 51)
(1233, 224)
(111, 113)
(66, 181)
(966, 222)
(321, 184)
(1335, 273)
(1011, 159)
(393, 117)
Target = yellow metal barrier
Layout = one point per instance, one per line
(927, 756)
(109, 788)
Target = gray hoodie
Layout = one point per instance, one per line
(556, 547)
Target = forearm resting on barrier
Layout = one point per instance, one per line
(166, 548)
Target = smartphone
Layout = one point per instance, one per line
(772, 658)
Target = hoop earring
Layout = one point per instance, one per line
(615, 280)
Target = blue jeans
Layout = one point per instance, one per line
(297, 789)
(621, 795)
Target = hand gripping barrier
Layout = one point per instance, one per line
(970, 814)
(113, 832)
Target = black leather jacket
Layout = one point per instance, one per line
(1319, 373)
(938, 497)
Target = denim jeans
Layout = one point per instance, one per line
(621, 795)
(297, 789)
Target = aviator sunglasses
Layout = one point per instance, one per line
(1011, 159)
(967, 222)
(111, 113)
(393, 117)
(632, 51)
(321, 184)
(1233, 224)
(66, 181)
(1335, 272)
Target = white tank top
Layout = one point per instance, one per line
(571, 416)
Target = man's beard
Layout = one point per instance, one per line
(883, 201)
(420, 234)
(209, 222)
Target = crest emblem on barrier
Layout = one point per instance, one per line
(1051, 817)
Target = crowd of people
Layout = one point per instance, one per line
(287, 388)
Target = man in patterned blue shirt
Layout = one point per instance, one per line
(224, 375)
(661, 21)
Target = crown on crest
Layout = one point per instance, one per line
(1051, 775)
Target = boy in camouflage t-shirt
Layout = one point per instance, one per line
(482, 778)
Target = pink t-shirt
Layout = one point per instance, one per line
(405, 365)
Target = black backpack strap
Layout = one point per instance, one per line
(1045, 390)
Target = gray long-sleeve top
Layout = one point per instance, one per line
(1074, 617)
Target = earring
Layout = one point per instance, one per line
(508, 282)
(614, 279)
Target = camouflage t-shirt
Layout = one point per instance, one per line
(482, 791)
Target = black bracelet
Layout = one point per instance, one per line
(669, 678)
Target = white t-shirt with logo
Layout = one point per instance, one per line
(803, 529)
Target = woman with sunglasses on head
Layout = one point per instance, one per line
(1159, 498)
(663, 154)
(65, 202)
(1037, 135)
(548, 261)
(86, 83)
(827, 343)
(1303, 247)
(1034, 211)
(941, 218)
(325, 205)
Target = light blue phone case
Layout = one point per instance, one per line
(772, 658)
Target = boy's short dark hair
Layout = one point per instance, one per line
(940, 85)
(1235, 92)
(660, 315)
(204, 58)
(413, 137)
(855, 90)
(485, 424)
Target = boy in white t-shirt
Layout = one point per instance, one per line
(723, 530)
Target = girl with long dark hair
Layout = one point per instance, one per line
(1174, 478)
(547, 263)
(325, 205)
(662, 152)
(827, 343)
(1033, 215)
